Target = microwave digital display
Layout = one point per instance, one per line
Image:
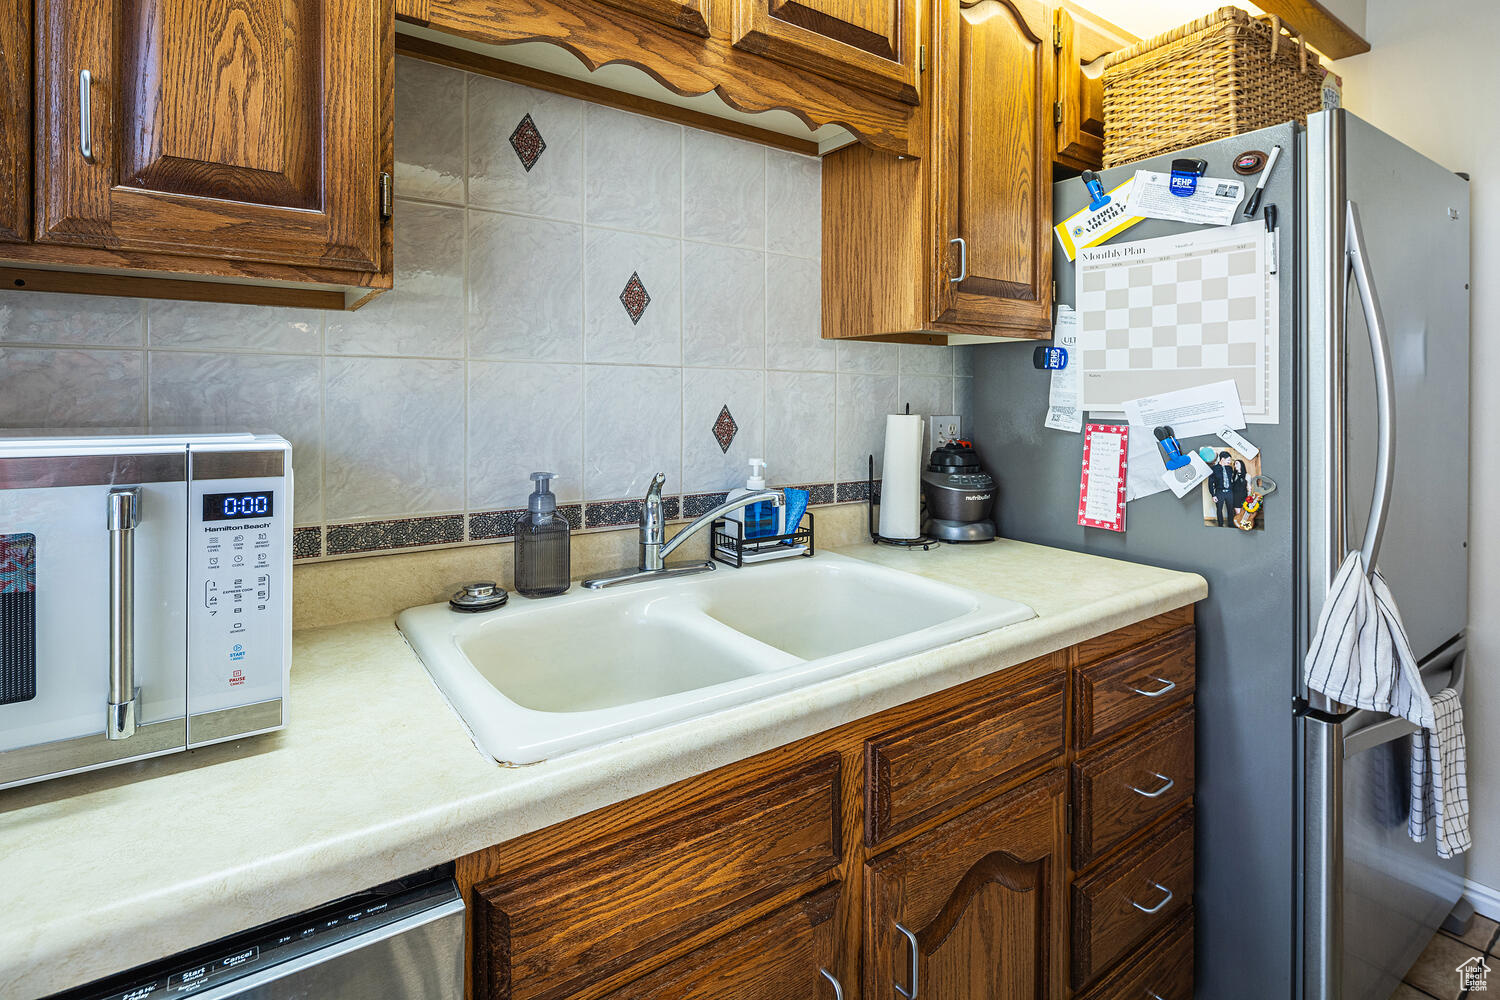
(237, 506)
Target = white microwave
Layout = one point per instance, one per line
(145, 596)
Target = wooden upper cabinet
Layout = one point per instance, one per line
(993, 146)
(15, 120)
(237, 129)
(974, 909)
(869, 44)
(1079, 113)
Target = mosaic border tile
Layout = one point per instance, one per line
(624, 513)
(307, 543)
(491, 524)
(398, 533)
(698, 504)
(857, 492)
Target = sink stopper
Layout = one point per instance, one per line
(481, 595)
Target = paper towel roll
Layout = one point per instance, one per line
(901, 477)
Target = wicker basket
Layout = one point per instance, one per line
(1221, 75)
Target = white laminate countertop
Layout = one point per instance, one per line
(375, 777)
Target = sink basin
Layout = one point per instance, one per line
(541, 678)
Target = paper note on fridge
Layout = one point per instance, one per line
(1063, 413)
(1212, 204)
(1089, 227)
(1192, 412)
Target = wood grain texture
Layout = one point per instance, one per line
(1121, 639)
(689, 15)
(984, 896)
(285, 170)
(683, 63)
(416, 11)
(1107, 920)
(1320, 26)
(777, 957)
(39, 280)
(869, 44)
(941, 762)
(993, 151)
(620, 903)
(1107, 808)
(1080, 139)
(1162, 966)
(1108, 694)
(15, 120)
(474, 62)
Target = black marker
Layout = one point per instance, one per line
(1265, 175)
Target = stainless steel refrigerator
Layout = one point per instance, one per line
(1307, 884)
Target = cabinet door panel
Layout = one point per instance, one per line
(994, 156)
(15, 120)
(245, 129)
(870, 44)
(689, 15)
(983, 897)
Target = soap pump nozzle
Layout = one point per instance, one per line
(542, 500)
(757, 480)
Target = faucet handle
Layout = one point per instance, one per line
(655, 489)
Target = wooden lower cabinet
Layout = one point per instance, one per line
(930, 849)
(975, 909)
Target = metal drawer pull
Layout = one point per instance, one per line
(85, 116)
(838, 991)
(911, 940)
(1153, 995)
(1168, 687)
(1158, 906)
(1164, 789)
(963, 259)
(123, 514)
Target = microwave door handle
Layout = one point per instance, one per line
(124, 514)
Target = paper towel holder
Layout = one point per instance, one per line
(923, 542)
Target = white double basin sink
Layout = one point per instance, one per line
(541, 678)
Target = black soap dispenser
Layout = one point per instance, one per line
(542, 545)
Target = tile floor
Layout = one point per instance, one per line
(1434, 976)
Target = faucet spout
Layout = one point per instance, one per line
(775, 497)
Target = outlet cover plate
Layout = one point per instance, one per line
(941, 430)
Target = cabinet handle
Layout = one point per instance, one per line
(123, 512)
(1164, 789)
(1153, 995)
(85, 116)
(963, 259)
(838, 991)
(1158, 906)
(911, 941)
(1167, 687)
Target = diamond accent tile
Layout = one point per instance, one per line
(528, 142)
(725, 429)
(635, 298)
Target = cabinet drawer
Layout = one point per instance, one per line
(1128, 787)
(777, 957)
(1123, 904)
(1162, 967)
(543, 932)
(916, 771)
(1140, 682)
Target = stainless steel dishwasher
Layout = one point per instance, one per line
(400, 941)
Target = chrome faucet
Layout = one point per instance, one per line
(654, 545)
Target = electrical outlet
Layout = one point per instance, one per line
(941, 430)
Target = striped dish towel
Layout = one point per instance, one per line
(1361, 656)
(1439, 779)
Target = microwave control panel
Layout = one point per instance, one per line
(239, 575)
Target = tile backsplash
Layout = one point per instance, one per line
(578, 289)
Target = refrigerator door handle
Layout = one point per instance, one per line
(1385, 395)
(1393, 729)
